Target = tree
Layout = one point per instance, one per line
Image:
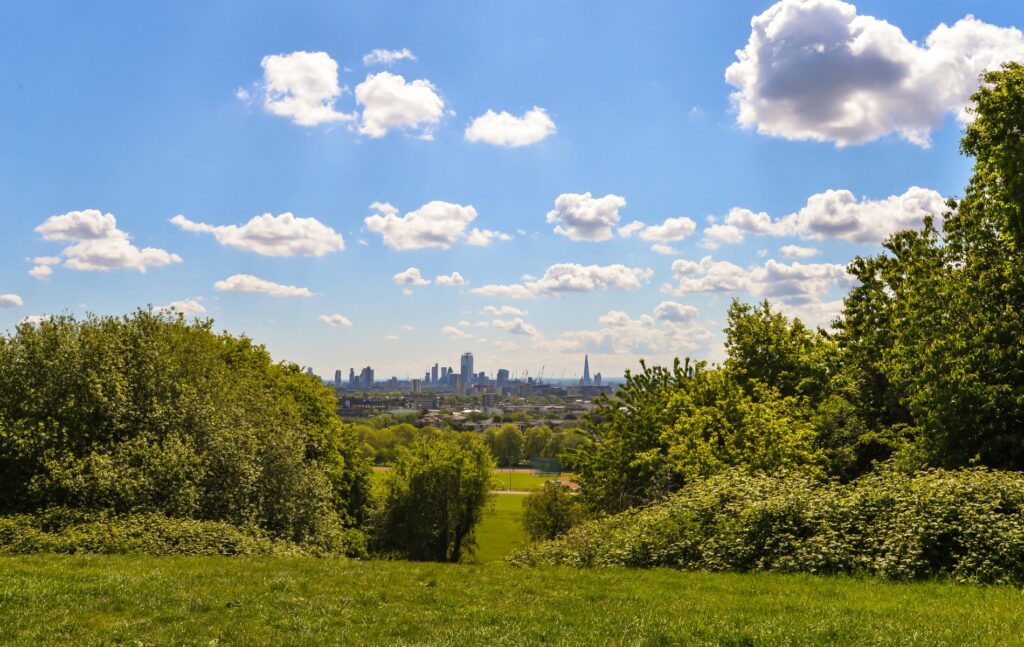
(551, 511)
(536, 440)
(506, 444)
(152, 413)
(432, 499)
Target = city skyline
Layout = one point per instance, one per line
(384, 185)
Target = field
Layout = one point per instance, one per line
(49, 600)
(501, 528)
(524, 481)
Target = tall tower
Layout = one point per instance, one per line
(467, 369)
(433, 374)
(586, 371)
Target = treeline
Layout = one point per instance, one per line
(509, 446)
(924, 370)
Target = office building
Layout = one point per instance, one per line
(352, 378)
(433, 374)
(597, 379)
(467, 369)
(337, 379)
(502, 376)
(416, 386)
(366, 378)
(444, 375)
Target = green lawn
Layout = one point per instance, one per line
(501, 528)
(48, 600)
(524, 481)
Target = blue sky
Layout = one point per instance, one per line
(147, 111)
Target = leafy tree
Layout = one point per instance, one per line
(551, 511)
(536, 440)
(506, 444)
(433, 498)
(155, 414)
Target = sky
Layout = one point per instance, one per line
(395, 183)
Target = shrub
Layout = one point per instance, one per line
(432, 499)
(551, 511)
(154, 415)
(68, 532)
(967, 525)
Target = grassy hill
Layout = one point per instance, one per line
(48, 600)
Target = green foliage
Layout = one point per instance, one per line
(432, 499)
(967, 525)
(70, 532)
(506, 444)
(551, 511)
(536, 440)
(151, 414)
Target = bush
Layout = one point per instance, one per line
(967, 525)
(551, 511)
(432, 499)
(69, 532)
(154, 415)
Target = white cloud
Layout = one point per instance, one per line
(243, 95)
(678, 312)
(839, 214)
(578, 216)
(390, 103)
(796, 252)
(40, 272)
(502, 311)
(250, 283)
(796, 283)
(716, 235)
(77, 226)
(267, 235)
(663, 249)
(671, 230)
(35, 320)
(628, 230)
(336, 320)
(572, 277)
(815, 70)
(410, 276)
(302, 86)
(388, 56)
(191, 306)
(436, 224)
(99, 245)
(46, 260)
(619, 319)
(452, 279)
(507, 346)
(391, 337)
(10, 301)
(483, 237)
(621, 334)
(515, 326)
(504, 129)
(454, 333)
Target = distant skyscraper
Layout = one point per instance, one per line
(352, 377)
(598, 379)
(337, 378)
(433, 374)
(416, 386)
(467, 369)
(502, 376)
(366, 378)
(586, 381)
(444, 375)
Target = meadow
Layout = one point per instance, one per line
(139, 600)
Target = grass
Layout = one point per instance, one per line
(501, 528)
(51, 600)
(524, 481)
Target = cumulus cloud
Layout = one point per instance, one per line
(671, 230)
(796, 252)
(579, 216)
(410, 276)
(191, 306)
(267, 235)
(35, 320)
(250, 283)
(839, 214)
(502, 311)
(663, 249)
(572, 277)
(716, 235)
(816, 70)
(302, 86)
(795, 283)
(483, 237)
(390, 103)
(40, 272)
(388, 56)
(436, 224)
(336, 320)
(621, 334)
(628, 230)
(678, 312)
(452, 332)
(515, 326)
(10, 301)
(504, 129)
(452, 279)
(98, 246)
